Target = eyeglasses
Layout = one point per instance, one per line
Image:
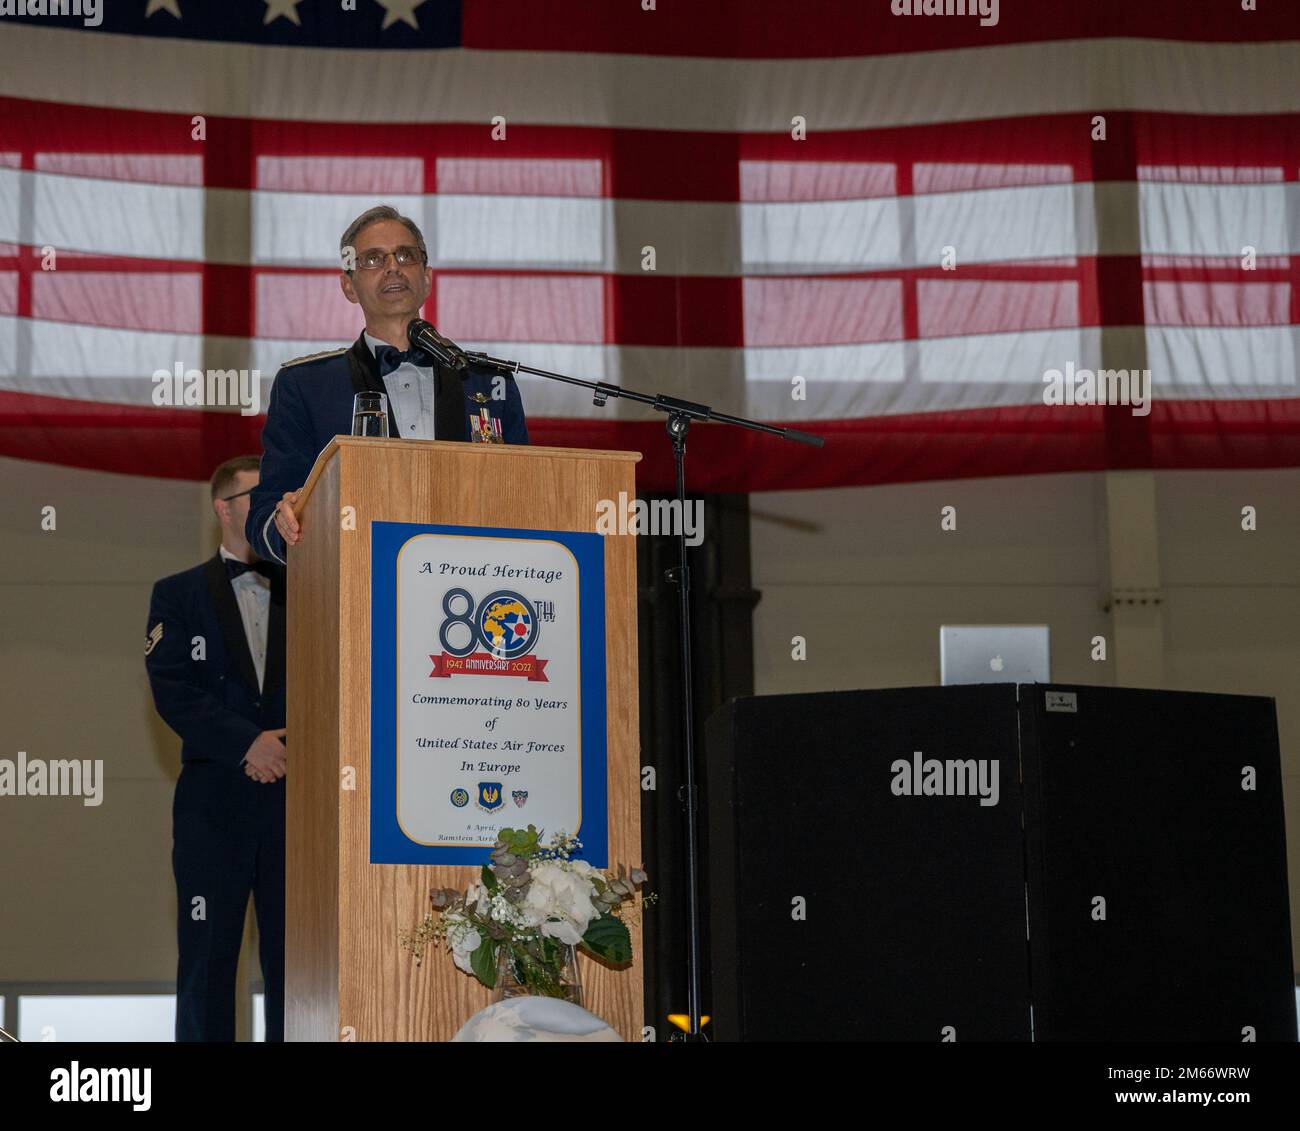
(374, 258)
(228, 498)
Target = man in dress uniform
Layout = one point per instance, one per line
(215, 655)
(386, 272)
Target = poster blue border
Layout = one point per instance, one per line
(388, 844)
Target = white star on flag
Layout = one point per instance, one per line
(286, 8)
(172, 6)
(403, 10)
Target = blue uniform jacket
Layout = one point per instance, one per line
(213, 701)
(311, 403)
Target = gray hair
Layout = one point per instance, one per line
(371, 216)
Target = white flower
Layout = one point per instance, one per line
(528, 917)
(464, 940)
(559, 901)
(477, 899)
(502, 909)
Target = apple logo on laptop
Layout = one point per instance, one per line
(996, 663)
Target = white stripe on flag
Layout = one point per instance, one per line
(989, 225)
(304, 228)
(123, 218)
(116, 366)
(1223, 361)
(520, 231)
(652, 92)
(108, 217)
(1186, 219)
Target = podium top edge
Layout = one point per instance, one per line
(460, 447)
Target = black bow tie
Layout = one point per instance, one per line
(236, 568)
(390, 358)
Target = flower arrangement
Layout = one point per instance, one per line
(533, 902)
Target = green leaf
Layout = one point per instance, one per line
(518, 841)
(608, 938)
(484, 962)
(489, 879)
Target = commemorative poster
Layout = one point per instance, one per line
(487, 690)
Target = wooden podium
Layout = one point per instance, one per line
(346, 975)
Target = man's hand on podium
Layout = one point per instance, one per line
(266, 758)
(286, 522)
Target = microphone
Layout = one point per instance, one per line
(422, 335)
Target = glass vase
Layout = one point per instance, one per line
(516, 978)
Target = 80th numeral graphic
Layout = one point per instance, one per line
(457, 618)
(514, 616)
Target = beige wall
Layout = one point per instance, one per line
(1038, 550)
(87, 893)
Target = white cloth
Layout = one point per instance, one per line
(535, 1019)
(410, 392)
(253, 596)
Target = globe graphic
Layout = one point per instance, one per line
(507, 625)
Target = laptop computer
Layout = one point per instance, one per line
(993, 653)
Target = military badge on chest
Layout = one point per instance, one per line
(484, 428)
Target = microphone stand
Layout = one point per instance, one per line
(681, 414)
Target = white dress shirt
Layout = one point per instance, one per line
(253, 596)
(410, 392)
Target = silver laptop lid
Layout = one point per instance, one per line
(994, 653)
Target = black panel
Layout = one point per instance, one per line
(1138, 798)
(915, 905)
(723, 668)
(916, 916)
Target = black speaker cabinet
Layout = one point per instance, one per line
(1156, 852)
(993, 862)
(842, 909)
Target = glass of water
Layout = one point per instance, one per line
(370, 414)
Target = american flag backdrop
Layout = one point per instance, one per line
(916, 214)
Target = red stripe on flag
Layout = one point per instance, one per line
(165, 443)
(892, 449)
(522, 308)
(830, 28)
(814, 312)
(1217, 304)
(974, 443)
(664, 310)
(649, 164)
(162, 301)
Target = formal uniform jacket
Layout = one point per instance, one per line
(227, 829)
(311, 403)
(213, 701)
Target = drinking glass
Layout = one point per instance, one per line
(370, 414)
